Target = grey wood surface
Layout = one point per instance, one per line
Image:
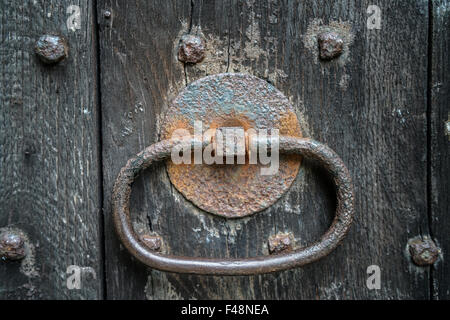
(440, 144)
(382, 106)
(49, 153)
(370, 106)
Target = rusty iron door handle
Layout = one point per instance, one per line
(244, 266)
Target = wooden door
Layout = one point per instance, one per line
(66, 130)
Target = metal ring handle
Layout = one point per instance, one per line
(245, 266)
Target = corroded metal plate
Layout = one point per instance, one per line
(232, 100)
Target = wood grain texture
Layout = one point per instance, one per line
(369, 106)
(49, 159)
(137, 72)
(440, 145)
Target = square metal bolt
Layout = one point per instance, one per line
(281, 242)
(230, 143)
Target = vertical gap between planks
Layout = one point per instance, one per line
(429, 132)
(100, 149)
(191, 18)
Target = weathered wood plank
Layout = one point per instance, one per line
(369, 105)
(137, 74)
(440, 145)
(49, 157)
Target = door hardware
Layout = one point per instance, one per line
(200, 101)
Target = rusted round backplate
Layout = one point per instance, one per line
(232, 100)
